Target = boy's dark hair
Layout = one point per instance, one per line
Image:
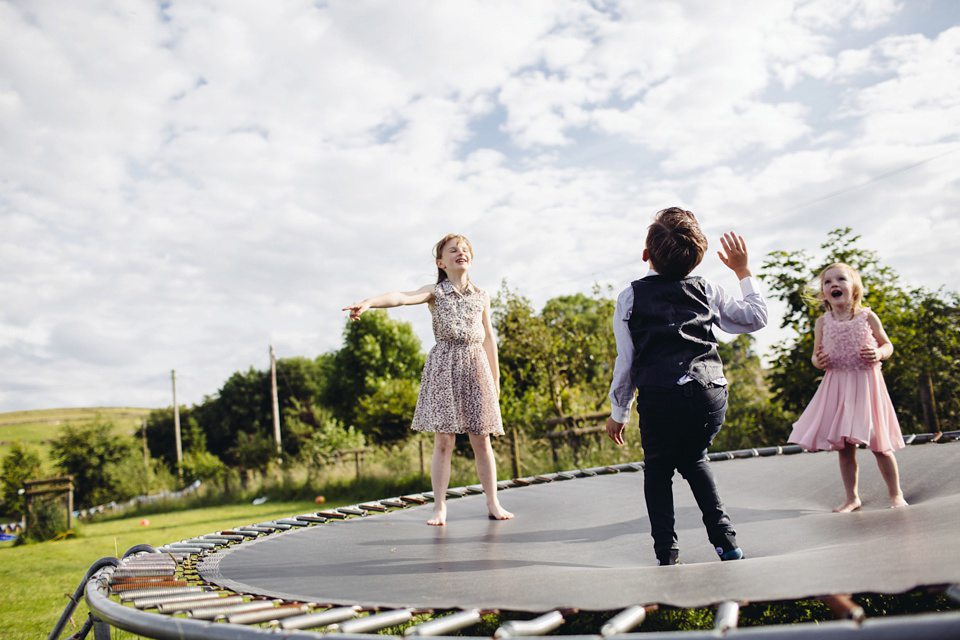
(675, 243)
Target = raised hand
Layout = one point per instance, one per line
(735, 256)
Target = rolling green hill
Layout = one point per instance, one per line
(39, 427)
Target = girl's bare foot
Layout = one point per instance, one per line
(897, 502)
(848, 506)
(497, 512)
(439, 517)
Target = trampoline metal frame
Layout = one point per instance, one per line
(105, 579)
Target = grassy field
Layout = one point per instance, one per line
(38, 427)
(35, 579)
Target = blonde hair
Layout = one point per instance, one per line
(438, 253)
(814, 290)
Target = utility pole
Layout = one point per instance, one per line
(276, 402)
(176, 423)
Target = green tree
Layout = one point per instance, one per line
(20, 464)
(752, 419)
(89, 452)
(161, 439)
(386, 414)
(242, 405)
(565, 353)
(375, 349)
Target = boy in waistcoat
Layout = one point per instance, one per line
(666, 351)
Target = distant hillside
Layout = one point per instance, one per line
(40, 426)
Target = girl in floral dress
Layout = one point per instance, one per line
(851, 407)
(460, 386)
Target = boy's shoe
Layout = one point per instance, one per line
(733, 554)
(670, 559)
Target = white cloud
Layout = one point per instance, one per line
(183, 184)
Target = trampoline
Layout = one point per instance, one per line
(581, 541)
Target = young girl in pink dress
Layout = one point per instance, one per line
(852, 405)
(460, 386)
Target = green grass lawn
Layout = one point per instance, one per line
(35, 579)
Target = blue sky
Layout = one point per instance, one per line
(183, 184)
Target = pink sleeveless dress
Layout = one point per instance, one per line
(852, 403)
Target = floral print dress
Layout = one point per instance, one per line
(457, 392)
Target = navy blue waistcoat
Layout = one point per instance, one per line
(672, 330)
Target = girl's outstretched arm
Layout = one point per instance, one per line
(820, 359)
(391, 299)
(884, 348)
(490, 346)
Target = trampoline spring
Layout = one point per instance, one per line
(291, 522)
(726, 616)
(332, 515)
(446, 624)
(134, 586)
(200, 542)
(267, 615)
(543, 479)
(211, 604)
(179, 547)
(474, 489)
(375, 622)
(521, 482)
(188, 605)
(143, 577)
(144, 572)
(244, 534)
(395, 503)
(536, 627)
(163, 591)
(456, 492)
(226, 536)
(629, 618)
(320, 618)
(275, 525)
(218, 612)
(414, 499)
(267, 527)
(843, 607)
(311, 519)
(156, 601)
(352, 511)
(372, 506)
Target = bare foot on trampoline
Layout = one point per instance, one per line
(848, 506)
(499, 513)
(439, 517)
(897, 501)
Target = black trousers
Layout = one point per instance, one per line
(677, 425)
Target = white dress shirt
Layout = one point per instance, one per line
(733, 316)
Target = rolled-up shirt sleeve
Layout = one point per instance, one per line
(622, 389)
(735, 315)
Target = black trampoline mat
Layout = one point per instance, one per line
(585, 543)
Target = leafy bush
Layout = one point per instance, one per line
(20, 464)
(47, 520)
(202, 465)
